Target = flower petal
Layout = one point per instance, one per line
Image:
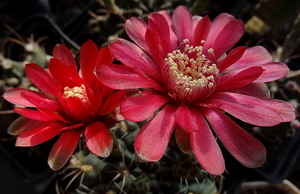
(111, 102)
(232, 58)
(141, 108)
(133, 57)
(64, 75)
(136, 30)
(188, 118)
(63, 54)
(182, 20)
(76, 109)
(98, 139)
(254, 110)
(54, 115)
(63, 149)
(201, 30)
(14, 96)
(22, 124)
(218, 25)
(183, 139)
(33, 114)
(254, 89)
(41, 100)
(39, 135)
(206, 149)
(224, 33)
(196, 19)
(227, 38)
(240, 144)
(153, 138)
(273, 71)
(254, 56)
(105, 56)
(151, 39)
(237, 79)
(120, 77)
(161, 23)
(42, 79)
(88, 61)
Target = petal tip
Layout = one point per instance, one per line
(144, 158)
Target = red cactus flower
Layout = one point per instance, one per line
(180, 66)
(70, 104)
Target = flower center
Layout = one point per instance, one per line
(191, 75)
(76, 91)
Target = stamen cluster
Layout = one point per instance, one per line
(190, 70)
(76, 91)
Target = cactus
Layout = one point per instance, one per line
(121, 172)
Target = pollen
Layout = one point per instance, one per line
(76, 91)
(210, 50)
(190, 70)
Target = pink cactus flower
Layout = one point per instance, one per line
(188, 84)
(70, 104)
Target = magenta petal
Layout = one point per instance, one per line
(217, 26)
(120, 77)
(182, 21)
(134, 57)
(196, 19)
(254, 110)
(254, 56)
(232, 58)
(152, 140)
(254, 89)
(216, 30)
(63, 54)
(136, 30)
(63, 149)
(201, 30)
(240, 144)
(22, 124)
(206, 149)
(33, 114)
(286, 110)
(273, 71)
(88, 61)
(39, 135)
(41, 79)
(237, 79)
(141, 108)
(171, 34)
(155, 49)
(14, 96)
(158, 21)
(188, 118)
(167, 17)
(246, 108)
(227, 38)
(98, 139)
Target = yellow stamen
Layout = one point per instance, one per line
(191, 69)
(76, 91)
